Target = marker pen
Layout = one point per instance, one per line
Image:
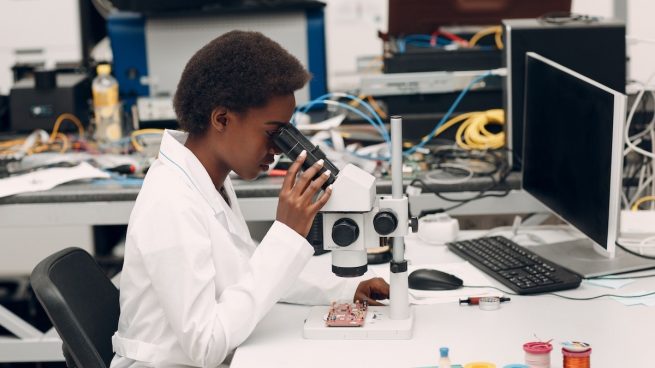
(475, 300)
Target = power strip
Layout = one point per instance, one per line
(637, 225)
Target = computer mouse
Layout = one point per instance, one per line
(431, 279)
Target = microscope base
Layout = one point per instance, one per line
(379, 328)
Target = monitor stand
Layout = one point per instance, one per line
(580, 256)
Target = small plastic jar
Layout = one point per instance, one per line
(537, 354)
(576, 354)
(480, 365)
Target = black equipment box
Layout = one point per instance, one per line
(36, 102)
(595, 48)
(408, 17)
(417, 19)
(424, 60)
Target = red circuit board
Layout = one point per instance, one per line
(346, 314)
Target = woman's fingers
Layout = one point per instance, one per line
(315, 186)
(306, 178)
(322, 200)
(292, 172)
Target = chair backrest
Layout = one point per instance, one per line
(82, 303)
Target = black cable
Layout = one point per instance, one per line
(456, 200)
(515, 156)
(500, 195)
(500, 166)
(491, 157)
(628, 182)
(479, 196)
(620, 278)
(482, 193)
(644, 161)
(445, 198)
(490, 287)
(643, 108)
(603, 295)
(459, 202)
(633, 253)
(563, 296)
(566, 17)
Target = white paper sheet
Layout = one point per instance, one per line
(48, 178)
(645, 300)
(330, 123)
(609, 283)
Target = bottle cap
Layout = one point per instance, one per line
(480, 365)
(537, 347)
(576, 346)
(103, 69)
(443, 352)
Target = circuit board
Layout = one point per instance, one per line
(346, 314)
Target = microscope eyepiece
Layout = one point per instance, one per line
(291, 141)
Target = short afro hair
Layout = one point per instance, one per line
(238, 70)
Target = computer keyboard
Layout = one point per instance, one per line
(515, 266)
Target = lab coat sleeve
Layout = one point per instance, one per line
(317, 285)
(177, 253)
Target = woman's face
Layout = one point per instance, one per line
(249, 146)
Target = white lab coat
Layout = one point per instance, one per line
(194, 284)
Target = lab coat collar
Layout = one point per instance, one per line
(175, 154)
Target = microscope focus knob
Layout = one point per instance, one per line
(385, 223)
(344, 232)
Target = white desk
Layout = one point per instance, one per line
(45, 222)
(620, 336)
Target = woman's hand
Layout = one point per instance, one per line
(372, 290)
(296, 207)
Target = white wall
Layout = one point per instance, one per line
(351, 32)
(600, 8)
(640, 25)
(37, 31)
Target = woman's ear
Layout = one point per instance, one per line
(219, 118)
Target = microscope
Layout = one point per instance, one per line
(354, 219)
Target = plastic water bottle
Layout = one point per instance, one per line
(444, 360)
(106, 107)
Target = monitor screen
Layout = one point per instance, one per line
(572, 153)
(595, 49)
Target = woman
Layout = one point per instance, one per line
(194, 285)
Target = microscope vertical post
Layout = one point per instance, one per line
(399, 298)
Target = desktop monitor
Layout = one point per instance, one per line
(593, 47)
(572, 163)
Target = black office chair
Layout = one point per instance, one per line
(82, 304)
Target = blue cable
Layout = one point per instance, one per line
(378, 124)
(445, 118)
(382, 129)
(414, 38)
(351, 97)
